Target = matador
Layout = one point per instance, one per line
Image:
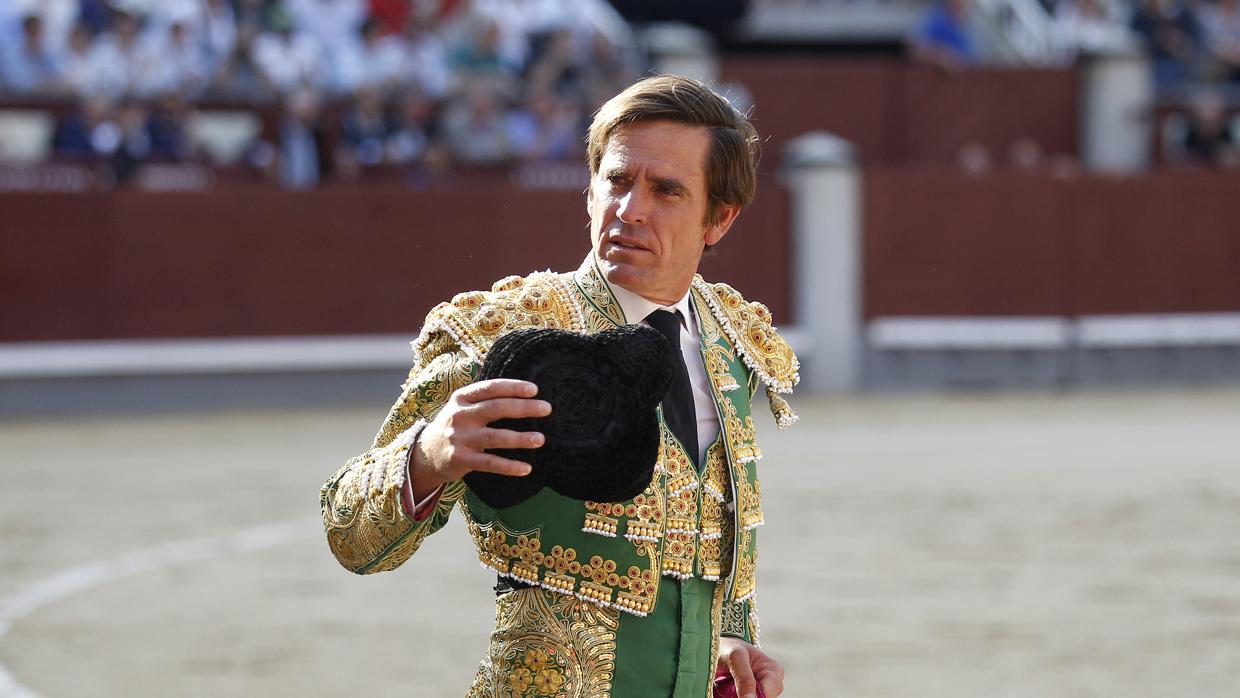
(653, 596)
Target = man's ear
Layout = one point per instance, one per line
(725, 215)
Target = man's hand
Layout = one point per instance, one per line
(750, 666)
(455, 442)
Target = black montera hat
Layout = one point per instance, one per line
(602, 436)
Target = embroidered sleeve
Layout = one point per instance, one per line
(368, 529)
(740, 620)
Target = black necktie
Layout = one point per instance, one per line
(678, 409)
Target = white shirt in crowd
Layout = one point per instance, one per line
(289, 62)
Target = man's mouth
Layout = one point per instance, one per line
(626, 244)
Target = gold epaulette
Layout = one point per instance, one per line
(748, 326)
(475, 319)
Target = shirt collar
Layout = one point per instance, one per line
(636, 308)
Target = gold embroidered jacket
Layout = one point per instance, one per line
(610, 554)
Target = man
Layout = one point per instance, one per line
(634, 599)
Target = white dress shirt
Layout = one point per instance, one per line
(636, 308)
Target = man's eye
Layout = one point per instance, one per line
(668, 191)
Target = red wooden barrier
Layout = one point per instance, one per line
(338, 260)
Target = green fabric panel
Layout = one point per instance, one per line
(667, 653)
(696, 669)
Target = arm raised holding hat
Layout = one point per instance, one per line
(435, 433)
(455, 443)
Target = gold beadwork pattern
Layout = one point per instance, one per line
(602, 525)
(680, 534)
(715, 536)
(548, 644)
(519, 554)
(475, 319)
(641, 518)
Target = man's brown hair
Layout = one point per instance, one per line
(732, 162)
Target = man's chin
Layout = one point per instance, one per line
(620, 274)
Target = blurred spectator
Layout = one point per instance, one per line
(475, 127)
(943, 38)
(238, 75)
(546, 127)
(175, 63)
(117, 59)
(166, 127)
(29, 66)
(526, 23)
(558, 65)
(1221, 22)
(414, 135)
(364, 131)
(134, 145)
(288, 60)
(377, 60)
(1208, 140)
(76, 68)
(477, 57)
(217, 33)
(333, 23)
(1087, 25)
(513, 23)
(335, 26)
(300, 140)
(87, 133)
(1172, 37)
(56, 18)
(426, 58)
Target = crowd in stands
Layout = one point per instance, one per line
(1193, 47)
(416, 86)
(355, 84)
(1187, 40)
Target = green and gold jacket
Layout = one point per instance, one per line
(612, 555)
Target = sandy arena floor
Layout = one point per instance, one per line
(1016, 546)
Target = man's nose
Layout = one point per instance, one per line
(632, 209)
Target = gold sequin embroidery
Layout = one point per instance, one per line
(548, 645)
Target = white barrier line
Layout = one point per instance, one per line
(197, 356)
(1055, 333)
(94, 574)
